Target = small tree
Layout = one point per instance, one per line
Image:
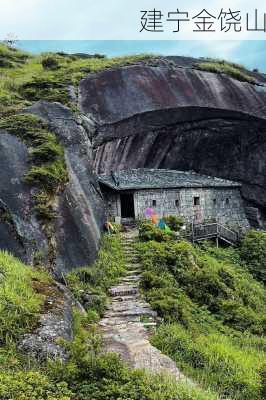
(11, 40)
(253, 253)
(50, 62)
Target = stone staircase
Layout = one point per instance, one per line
(128, 319)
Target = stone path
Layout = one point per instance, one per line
(128, 318)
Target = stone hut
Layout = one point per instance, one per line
(198, 198)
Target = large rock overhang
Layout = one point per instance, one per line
(117, 94)
(166, 116)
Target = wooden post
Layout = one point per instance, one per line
(217, 241)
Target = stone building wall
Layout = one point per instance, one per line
(216, 204)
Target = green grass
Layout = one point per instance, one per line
(30, 81)
(213, 314)
(253, 254)
(236, 71)
(47, 172)
(11, 57)
(20, 305)
(214, 361)
(89, 373)
(104, 273)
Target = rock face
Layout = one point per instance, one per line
(166, 114)
(55, 323)
(156, 114)
(79, 207)
(20, 232)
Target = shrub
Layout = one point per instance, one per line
(225, 289)
(253, 253)
(48, 177)
(50, 62)
(148, 231)
(174, 222)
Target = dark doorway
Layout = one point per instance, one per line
(127, 205)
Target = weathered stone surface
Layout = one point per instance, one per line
(54, 324)
(20, 232)
(169, 115)
(80, 207)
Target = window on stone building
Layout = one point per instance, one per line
(227, 201)
(154, 203)
(196, 201)
(214, 202)
(177, 203)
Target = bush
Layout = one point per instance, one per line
(50, 62)
(253, 253)
(47, 177)
(213, 315)
(226, 290)
(31, 385)
(174, 222)
(148, 231)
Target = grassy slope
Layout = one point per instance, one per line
(28, 81)
(217, 66)
(213, 313)
(88, 374)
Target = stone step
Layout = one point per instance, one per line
(131, 278)
(123, 290)
(132, 267)
(131, 313)
(122, 299)
(134, 272)
(115, 322)
(135, 265)
(149, 324)
(135, 307)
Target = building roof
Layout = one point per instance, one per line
(143, 178)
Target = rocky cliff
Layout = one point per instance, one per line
(71, 239)
(157, 112)
(168, 114)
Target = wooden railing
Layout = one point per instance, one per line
(214, 230)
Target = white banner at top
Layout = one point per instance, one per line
(133, 20)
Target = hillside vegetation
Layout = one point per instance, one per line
(212, 325)
(26, 78)
(217, 66)
(211, 302)
(88, 373)
(213, 312)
